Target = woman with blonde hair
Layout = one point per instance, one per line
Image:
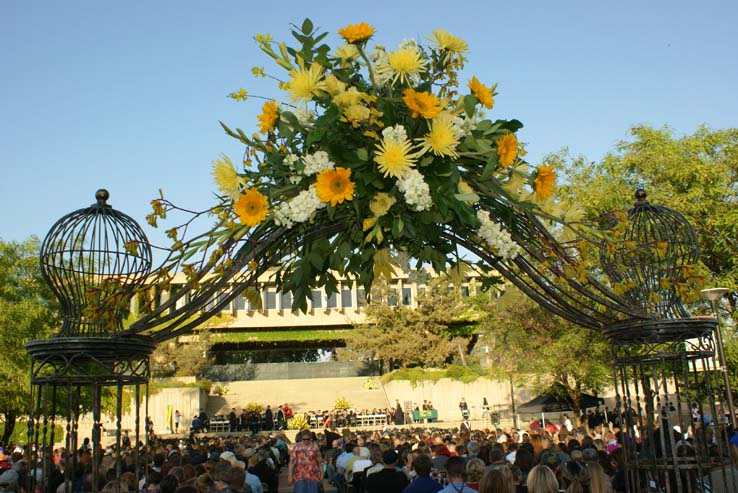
(474, 472)
(599, 482)
(541, 479)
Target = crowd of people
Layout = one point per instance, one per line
(571, 457)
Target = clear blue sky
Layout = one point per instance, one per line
(127, 95)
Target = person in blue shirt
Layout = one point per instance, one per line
(422, 466)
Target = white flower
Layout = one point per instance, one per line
(416, 190)
(396, 133)
(498, 239)
(469, 124)
(408, 43)
(304, 116)
(298, 209)
(317, 162)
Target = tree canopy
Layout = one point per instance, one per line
(28, 310)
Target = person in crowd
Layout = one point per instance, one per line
(456, 475)
(389, 479)
(474, 472)
(422, 483)
(304, 469)
(498, 480)
(541, 479)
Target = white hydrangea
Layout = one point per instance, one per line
(298, 209)
(317, 162)
(396, 133)
(305, 116)
(498, 239)
(416, 191)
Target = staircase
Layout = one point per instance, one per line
(302, 395)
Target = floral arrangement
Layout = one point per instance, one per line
(254, 407)
(388, 144)
(298, 423)
(342, 403)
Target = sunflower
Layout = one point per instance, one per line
(422, 103)
(227, 178)
(544, 182)
(507, 149)
(334, 186)
(251, 207)
(482, 92)
(393, 154)
(404, 64)
(357, 33)
(443, 136)
(306, 83)
(268, 117)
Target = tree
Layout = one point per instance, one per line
(526, 342)
(406, 337)
(28, 311)
(697, 175)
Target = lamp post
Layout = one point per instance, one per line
(713, 295)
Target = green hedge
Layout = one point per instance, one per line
(465, 374)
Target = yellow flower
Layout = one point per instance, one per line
(447, 41)
(240, 95)
(334, 186)
(334, 86)
(394, 156)
(304, 84)
(482, 92)
(544, 182)
(507, 149)
(349, 97)
(251, 207)
(356, 113)
(422, 103)
(381, 204)
(268, 117)
(443, 136)
(466, 190)
(258, 72)
(227, 178)
(346, 53)
(404, 64)
(357, 33)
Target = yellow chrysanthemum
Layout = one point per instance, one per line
(381, 204)
(446, 41)
(357, 33)
(346, 53)
(334, 86)
(404, 64)
(268, 117)
(544, 182)
(422, 103)
(482, 92)
(334, 185)
(306, 83)
(355, 114)
(395, 157)
(251, 207)
(349, 97)
(227, 178)
(507, 149)
(442, 138)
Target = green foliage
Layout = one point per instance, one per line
(465, 374)
(408, 336)
(28, 311)
(525, 341)
(184, 357)
(19, 433)
(219, 389)
(697, 175)
(203, 384)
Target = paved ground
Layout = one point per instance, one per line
(286, 488)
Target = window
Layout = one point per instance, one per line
(407, 296)
(239, 303)
(270, 300)
(316, 299)
(360, 297)
(465, 291)
(285, 301)
(346, 301)
(221, 298)
(392, 297)
(331, 301)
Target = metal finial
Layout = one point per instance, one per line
(640, 196)
(102, 197)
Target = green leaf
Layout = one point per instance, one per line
(470, 104)
(426, 161)
(307, 26)
(362, 154)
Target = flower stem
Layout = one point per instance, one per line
(368, 66)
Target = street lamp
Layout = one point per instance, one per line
(713, 295)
